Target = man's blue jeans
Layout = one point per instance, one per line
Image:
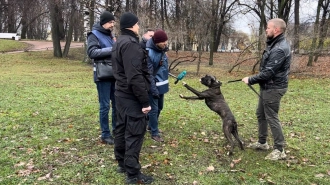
(106, 92)
(156, 107)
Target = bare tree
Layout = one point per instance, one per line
(323, 28)
(72, 20)
(316, 32)
(296, 27)
(56, 25)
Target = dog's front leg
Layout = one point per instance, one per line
(190, 97)
(199, 94)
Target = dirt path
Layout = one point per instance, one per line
(48, 45)
(44, 45)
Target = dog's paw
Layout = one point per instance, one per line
(184, 83)
(181, 95)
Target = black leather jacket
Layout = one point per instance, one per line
(275, 65)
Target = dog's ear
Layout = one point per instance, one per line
(213, 78)
(219, 82)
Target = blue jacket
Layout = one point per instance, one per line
(158, 68)
(99, 45)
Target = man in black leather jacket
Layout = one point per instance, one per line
(273, 81)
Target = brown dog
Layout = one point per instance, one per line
(216, 102)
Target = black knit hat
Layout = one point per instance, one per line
(159, 36)
(128, 20)
(106, 17)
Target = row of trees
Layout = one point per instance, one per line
(205, 23)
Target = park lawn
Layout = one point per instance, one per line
(7, 45)
(50, 131)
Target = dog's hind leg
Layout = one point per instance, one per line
(227, 131)
(235, 134)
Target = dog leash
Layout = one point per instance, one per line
(254, 91)
(248, 85)
(234, 81)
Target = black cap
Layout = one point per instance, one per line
(128, 20)
(106, 17)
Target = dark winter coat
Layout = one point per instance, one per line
(130, 68)
(275, 65)
(158, 67)
(99, 49)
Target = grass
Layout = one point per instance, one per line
(50, 131)
(7, 45)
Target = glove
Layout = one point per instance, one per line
(155, 96)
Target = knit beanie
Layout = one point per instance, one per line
(128, 20)
(159, 36)
(106, 17)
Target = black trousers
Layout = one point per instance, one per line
(129, 134)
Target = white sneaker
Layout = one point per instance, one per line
(258, 146)
(276, 155)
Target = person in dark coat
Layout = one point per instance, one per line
(158, 67)
(99, 45)
(132, 100)
(146, 36)
(273, 80)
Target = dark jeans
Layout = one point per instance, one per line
(106, 90)
(129, 134)
(156, 107)
(267, 114)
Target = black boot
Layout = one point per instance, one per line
(108, 140)
(140, 179)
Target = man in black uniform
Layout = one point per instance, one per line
(132, 100)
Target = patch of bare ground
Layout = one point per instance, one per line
(245, 62)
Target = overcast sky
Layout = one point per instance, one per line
(247, 22)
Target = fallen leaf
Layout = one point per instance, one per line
(195, 183)
(305, 159)
(146, 166)
(237, 161)
(210, 168)
(320, 175)
(270, 181)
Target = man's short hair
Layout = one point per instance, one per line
(279, 23)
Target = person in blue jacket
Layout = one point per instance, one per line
(158, 68)
(99, 45)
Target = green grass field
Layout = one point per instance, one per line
(50, 131)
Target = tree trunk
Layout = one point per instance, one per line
(70, 30)
(296, 27)
(323, 28)
(127, 8)
(316, 31)
(162, 14)
(87, 27)
(215, 5)
(56, 33)
(284, 7)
